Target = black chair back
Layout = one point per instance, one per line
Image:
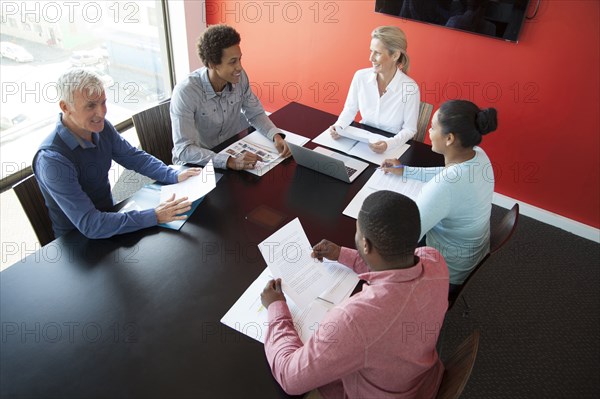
(30, 196)
(458, 368)
(153, 127)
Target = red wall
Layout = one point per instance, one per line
(545, 88)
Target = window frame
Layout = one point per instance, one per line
(8, 182)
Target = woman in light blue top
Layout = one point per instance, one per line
(456, 200)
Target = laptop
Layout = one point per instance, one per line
(328, 162)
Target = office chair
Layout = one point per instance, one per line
(499, 236)
(30, 196)
(153, 127)
(458, 368)
(425, 111)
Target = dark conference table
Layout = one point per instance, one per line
(137, 315)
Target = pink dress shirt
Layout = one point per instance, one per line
(379, 343)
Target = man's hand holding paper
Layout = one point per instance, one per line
(272, 293)
(287, 253)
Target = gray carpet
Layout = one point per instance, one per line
(537, 305)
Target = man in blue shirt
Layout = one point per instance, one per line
(72, 166)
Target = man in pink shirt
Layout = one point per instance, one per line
(380, 342)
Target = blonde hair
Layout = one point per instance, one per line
(79, 79)
(394, 40)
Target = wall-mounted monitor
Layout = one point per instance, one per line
(500, 19)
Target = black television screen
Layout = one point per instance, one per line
(501, 19)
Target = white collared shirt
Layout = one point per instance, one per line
(397, 111)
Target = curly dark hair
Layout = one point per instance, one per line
(213, 41)
(392, 223)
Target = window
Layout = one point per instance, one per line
(152, 17)
(124, 42)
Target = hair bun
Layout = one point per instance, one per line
(487, 120)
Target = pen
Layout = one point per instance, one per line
(391, 167)
(325, 300)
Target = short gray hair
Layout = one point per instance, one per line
(79, 79)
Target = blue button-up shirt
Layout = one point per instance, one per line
(73, 202)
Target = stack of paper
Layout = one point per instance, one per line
(355, 141)
(195, 188)
(381, 181)
(358, 134)
(258, 144)
(311, 288)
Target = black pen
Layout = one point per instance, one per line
(391, 167)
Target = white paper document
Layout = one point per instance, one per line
(343, 144)
(311, 288)
(400, 184)
(360, 148)
(249, 317)
(287, 253)
(358, 134)
(194, 187)
(342, 279)
(381, 181)
(258, 144)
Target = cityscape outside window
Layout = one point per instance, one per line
(123, 41)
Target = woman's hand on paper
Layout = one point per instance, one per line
(186, 174)
(378, 147)
(333, 131)
(172, 209)
(272, 293)
(392, 166)
(326, 249)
